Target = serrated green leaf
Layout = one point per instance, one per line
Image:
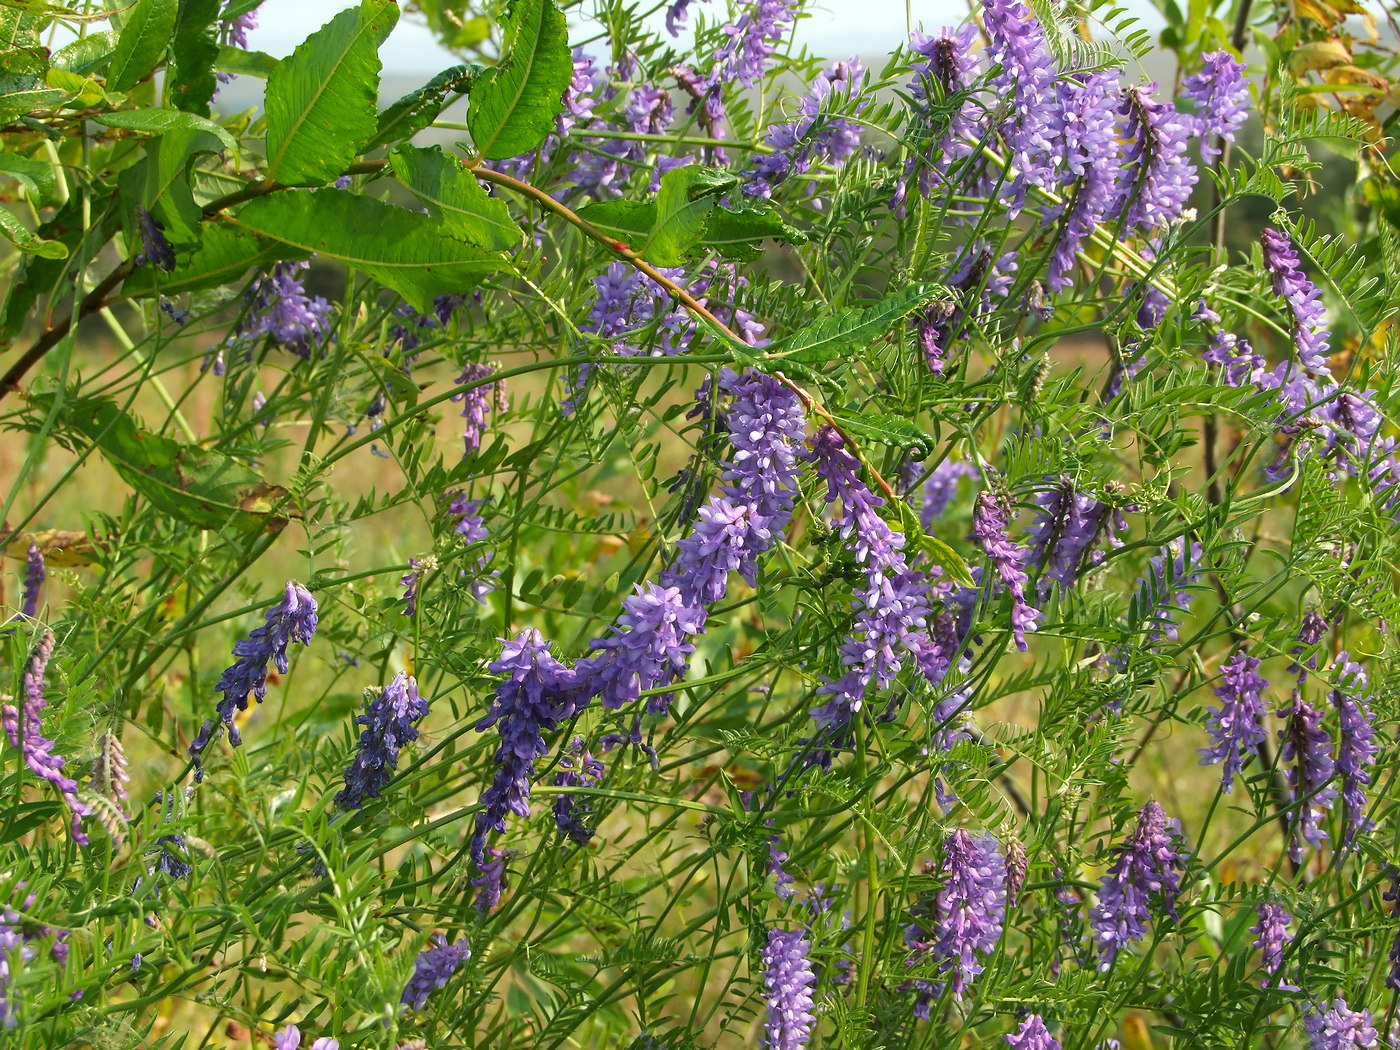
(683, 205)
(223, 256)
(18, 103)
(625, 221)
(454, 196)
(846, 332)
(195, 485)
(88, 55)
(190, 82)
(245, 63)
(401, 249)
(515, 105)
(26, 241)
(160, 183)
(416, 110)
(160, 121)
(145, 33)
(884, 429)
(35, 176)
(322, 100)
(736, 234)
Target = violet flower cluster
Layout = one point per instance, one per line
(278, 306)
(1356, 743)
(814, 137)
(293, 619)
(23, 723)
(1310, 331)
(390, 723)
(1063, 536)
(1308, 746)
(788, 979)
(1339, 1027)
(1236, 727)
(478, 402)
(970, 907)
(1032, 1035)
(290, 1039)
(19, 935)
(990, 529)
(34, 575)
(572, 813)
(1147, 869)
(1273, 937)
(432, 969)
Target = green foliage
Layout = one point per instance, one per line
(516, 103)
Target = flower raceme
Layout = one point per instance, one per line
(1147, 868)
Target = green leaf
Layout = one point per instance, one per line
(885, 430)
(18, 235)
(846, 332)
(194, 485)
(88, 55)
(246, 63)
(515, 106)
(37, 277)
(321, 101)
(35, 176)
(416, 110)
(935, 550)
(453, 195)
(223, 256)
(683, 205)
(160, 121)
(18, 103)
(736, 234)
(160, 183)
(401, 249)
(190, 83)
(145, 33)
(625, 221)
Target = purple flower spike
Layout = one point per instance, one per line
(478, 402)
(293, 619)
(1309, 747)
(23, 725)
(1221, 94)
(1339, 1028)
(536, 696)
(971, 905)
(1063, 534)
(646, 648)
(279, 306)
(578, 768)
(432, 970)
(940, 490)
(1310, 331)
(1162, 593)
(390, 723)
(1089, 117)
(1157, 176)
(787, 987)
(989, 528)
(34, 575)
(290, 1039)
(154, 247)
(950, 70)
(1032, 1035)
(1356, 744)
(1016, 43)
(752, 41)
(777, 857)
(1235, 727)
(410, 581)
(1149, 865)
(811, 139)
(1273, 938)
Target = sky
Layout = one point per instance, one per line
(836, 29)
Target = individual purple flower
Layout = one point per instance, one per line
(1016, 43)
(291, 619)
(410, 581)
(278, 306)
(1273, 937)
(1309, 747)
(1221, 94)
(290, 1039)
(471, 526)
(676, 16)
(572, 813)
(1310, 331)
(23, 723)
(777, 857)
(970, 906)
(648, 647)
(1032, 1035)
(788, 980)
(1147, 866)
(154, 247)
(1356, 743)
(490, 880)
(989, 528)
(1239, 364)
(940, 488)
(390, 723)
(432, 970)
(535, 696)
(33, 579)
(1312, 628)
(1338, 1027)
(1235, 727)
(1157, 177)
